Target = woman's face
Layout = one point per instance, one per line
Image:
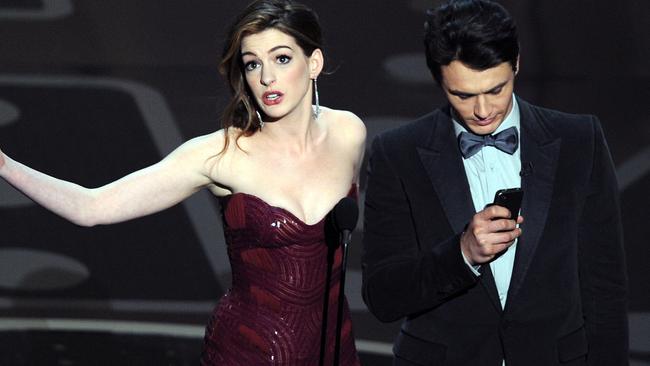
(278, 72)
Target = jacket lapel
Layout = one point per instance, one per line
(539, 154)
(443, 163)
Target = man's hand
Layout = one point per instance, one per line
(489, 233)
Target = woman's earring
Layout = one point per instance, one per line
(259, 117)
(317, 109)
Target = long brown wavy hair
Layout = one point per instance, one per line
(292, 18)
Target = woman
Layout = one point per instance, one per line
(279, 165)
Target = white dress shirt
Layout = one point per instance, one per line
(488, 171)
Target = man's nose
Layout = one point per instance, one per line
(482, 108)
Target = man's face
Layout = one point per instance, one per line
(481, 99)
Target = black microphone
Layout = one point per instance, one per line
(344, 217)
(526, 169)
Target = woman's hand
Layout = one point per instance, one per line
(2, 159)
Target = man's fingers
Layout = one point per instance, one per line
(499, 225)
(487, 237)
(483, 231)
(492, 212)
(493, 243)
(507, 237)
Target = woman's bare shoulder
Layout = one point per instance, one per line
(216, 153)
(216, 143)
(345, 125)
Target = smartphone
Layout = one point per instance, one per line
(511, 199)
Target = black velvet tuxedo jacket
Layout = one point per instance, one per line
(566, 302)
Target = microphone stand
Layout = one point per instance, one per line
(328, 278)
(343, 219)
(345, 238)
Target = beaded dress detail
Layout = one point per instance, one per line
(272, 313)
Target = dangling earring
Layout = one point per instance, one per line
(317, 109)
(259, 117)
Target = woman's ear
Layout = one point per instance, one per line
(316, 62)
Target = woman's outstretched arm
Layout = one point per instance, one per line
(143, 192)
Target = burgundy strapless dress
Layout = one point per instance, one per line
(272, 313)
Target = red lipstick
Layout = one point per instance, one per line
(272, 97)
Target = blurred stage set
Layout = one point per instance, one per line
(91, 90)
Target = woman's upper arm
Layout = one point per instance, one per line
(184, 171)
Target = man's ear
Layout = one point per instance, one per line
(316, 63)
(517, 66)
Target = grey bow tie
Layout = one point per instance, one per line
(506, 141)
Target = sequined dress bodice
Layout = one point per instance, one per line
(272, 313)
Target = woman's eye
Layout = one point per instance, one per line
(251, 65)
(283, 59)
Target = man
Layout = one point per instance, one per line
(475, 287)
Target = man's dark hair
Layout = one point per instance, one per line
(479, 33)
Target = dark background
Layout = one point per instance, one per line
(91, 90)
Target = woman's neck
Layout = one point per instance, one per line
(297, 132)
